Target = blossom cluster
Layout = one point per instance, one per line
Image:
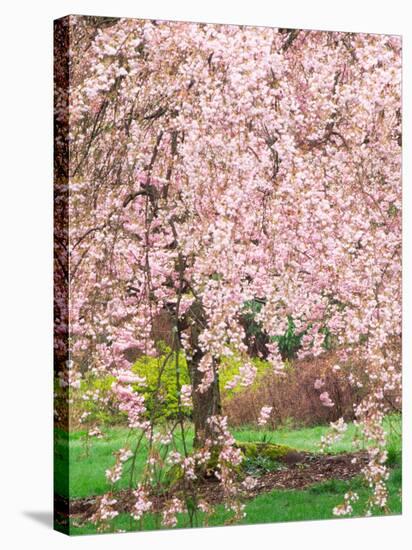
(264, 415)
(115, 473)
(105, 511)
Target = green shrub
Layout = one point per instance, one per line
(95, 398)
(229, 367)
(288, 343)
(161, 390)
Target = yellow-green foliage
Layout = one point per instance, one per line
(95, 390)
(229, 368)
(166, 364)
(103, 384)
(161, 380)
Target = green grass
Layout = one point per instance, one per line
(314, 503)
(308, 439)
(87, 472)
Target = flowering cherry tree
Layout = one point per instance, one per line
(214, 165)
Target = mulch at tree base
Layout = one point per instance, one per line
(310, 470)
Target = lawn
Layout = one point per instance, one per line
(87, 471)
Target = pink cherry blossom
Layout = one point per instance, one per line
(264, 415)
(326, 400)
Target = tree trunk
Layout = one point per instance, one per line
(208, 403)
(205, 404)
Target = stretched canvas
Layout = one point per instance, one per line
(227, 274)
